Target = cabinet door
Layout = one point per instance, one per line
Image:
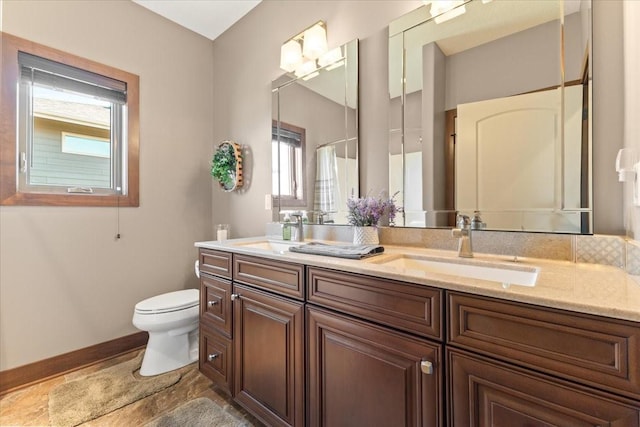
(269, 358)
(365, 375)
(487, 393)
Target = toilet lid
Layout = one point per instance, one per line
(171, 301)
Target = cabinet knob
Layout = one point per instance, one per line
(212, 356)
(426, 367)
(235, 297)
(212, 303)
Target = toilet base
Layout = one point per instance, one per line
(166, 352)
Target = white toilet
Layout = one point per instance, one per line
(172, 322)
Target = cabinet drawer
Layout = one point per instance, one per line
(604, 353)
(215, 262)
(405, 306)
(215, 303)
(216, 358)
(281, 277)
(487, 393)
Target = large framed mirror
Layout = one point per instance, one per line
(314, 138)
(490, 107)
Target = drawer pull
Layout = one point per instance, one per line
(212, 356)
(212, 303)
(235, 297)
(426, 367)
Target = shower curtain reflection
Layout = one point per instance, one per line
(327, 187)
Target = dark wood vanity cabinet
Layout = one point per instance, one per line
(512, 364)
(268, 331)
(369, 363)
(252, 333)
(311, 346)
(216, 350)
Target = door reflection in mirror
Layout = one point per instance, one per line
(539, 177)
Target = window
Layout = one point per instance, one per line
(86, 145)
(287, 163)
(72, 134)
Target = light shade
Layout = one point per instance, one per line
(315, 42)
(290, 55)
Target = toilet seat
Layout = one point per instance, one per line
(166, 303)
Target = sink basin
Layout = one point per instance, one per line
(269, 245)
(503, 273)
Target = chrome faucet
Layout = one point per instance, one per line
(463, 233)
(298, 231)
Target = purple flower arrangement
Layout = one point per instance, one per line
(367, 211)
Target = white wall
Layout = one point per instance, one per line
(65, 282)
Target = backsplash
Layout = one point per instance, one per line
(601, 249)
(592, 249)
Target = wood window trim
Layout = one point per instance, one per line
(9, 75)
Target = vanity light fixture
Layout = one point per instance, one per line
(300, 53)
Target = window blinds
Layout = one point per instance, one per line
(42, 71)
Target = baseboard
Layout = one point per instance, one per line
(23, 376)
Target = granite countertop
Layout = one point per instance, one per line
(584, 288)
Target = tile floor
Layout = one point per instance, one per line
(29, 406)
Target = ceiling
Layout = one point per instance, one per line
(209, 18)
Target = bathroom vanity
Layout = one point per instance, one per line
(309, 340)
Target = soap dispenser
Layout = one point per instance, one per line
(286, 228)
